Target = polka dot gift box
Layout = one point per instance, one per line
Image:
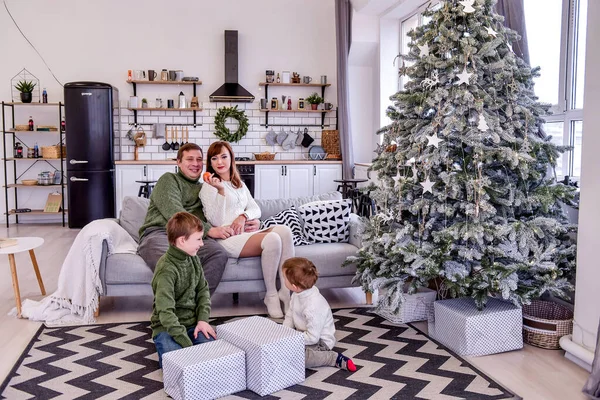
(205, 371)
(274, 353)
(457, 324)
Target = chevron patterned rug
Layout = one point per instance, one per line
(120, 361)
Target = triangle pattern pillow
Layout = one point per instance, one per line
(289, 218)
(326, 222)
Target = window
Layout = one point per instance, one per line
(552, 22)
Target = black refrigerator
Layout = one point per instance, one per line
(90, 124)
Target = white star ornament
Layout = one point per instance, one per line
(427, 186)
(491, 32)
(434, 140)
(424, 50)
(463, 77)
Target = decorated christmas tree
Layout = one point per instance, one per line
(468, 201)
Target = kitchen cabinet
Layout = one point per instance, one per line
(324, 176)
(127, 175)
(295, 180)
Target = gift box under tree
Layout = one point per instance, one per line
(274, 353)
(414, 308)
(459, 325)
(205, 371)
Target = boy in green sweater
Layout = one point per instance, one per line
(181, 296)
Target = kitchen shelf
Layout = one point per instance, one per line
(19, 170)
(19, 185)
(36, 212)
(292, 111)
(13, 130)
(266, 111)
(136, 109)
(33, 104)
(164, 109)
(295, 84)
(165, 82)
(34, 159)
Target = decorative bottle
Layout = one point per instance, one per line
(36, 151)
(44, 96)
(181, 100)
(19, 150)
(278, 79)
(63, 125)
(289, 103)
(30, 123)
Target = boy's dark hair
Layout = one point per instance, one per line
(183, 224)
(301, 272)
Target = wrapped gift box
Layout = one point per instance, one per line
(274, 353)
(414, 308)
(205, 371)
(467, 331)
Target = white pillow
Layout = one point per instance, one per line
(326, 221)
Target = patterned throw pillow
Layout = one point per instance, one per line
(326, 221)
(289, 218)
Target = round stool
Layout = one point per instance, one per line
(146, 188)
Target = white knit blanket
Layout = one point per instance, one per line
(79, 285)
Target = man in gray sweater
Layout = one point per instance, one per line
(178, 192)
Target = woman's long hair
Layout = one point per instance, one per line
(214, 150)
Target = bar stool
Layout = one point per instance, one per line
(347, 187)
(146, 188)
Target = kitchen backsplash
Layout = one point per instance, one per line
(253, 142)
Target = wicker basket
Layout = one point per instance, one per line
(53, 151)
(330, 140)
(266, 156)
(545, 322)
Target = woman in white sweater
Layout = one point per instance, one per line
(227, 202)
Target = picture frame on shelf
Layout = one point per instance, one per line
(285, 77)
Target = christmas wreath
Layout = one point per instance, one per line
(222, 132)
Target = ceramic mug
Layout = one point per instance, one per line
(179, 75)
(172, 75)
(323, 79)
(139, 74)
(307, 79)
(327, 106)
(152, 75)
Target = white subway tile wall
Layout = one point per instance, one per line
(253, 142)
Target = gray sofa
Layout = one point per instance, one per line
(128, 274)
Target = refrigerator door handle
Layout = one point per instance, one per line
(73, 179)
(78, 162)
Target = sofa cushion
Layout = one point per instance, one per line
(269, 208)
(127, 269)
(326, 222)
(133, 214)
(328, 257)
(290, 219)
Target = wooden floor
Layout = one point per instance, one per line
(532, 373)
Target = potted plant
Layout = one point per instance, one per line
(314, 100)
(144, 103)
(26, 88)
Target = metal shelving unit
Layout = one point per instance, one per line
(9, 107)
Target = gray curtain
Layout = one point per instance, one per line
(343, 29)
(513, 12)
(592, 386)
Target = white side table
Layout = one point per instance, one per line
(23, 244)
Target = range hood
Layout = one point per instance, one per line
(231, 91)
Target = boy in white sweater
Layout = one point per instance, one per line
(310, 313)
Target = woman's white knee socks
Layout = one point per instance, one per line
(277, 246)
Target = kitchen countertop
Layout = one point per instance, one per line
(277, 162)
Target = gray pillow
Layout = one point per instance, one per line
(133, 214)
(269, 208)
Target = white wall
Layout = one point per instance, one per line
(364, 85)
(101, 40)
(587, 309)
